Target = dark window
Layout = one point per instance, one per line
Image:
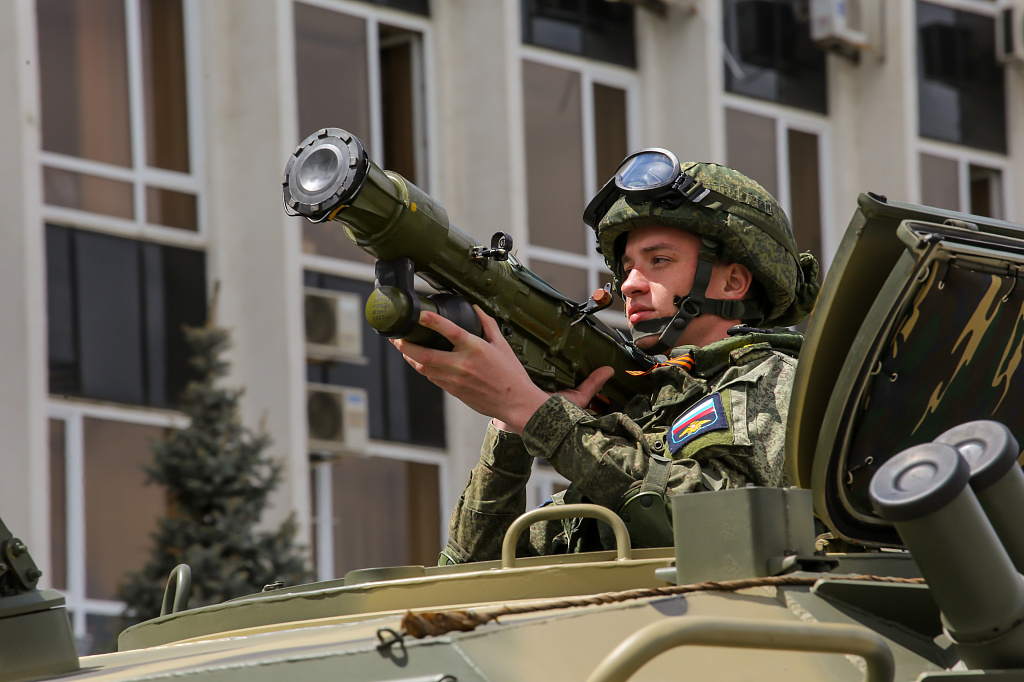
(961, 91)
(415, 6)
(770, 54)
(590, 28)
(116, 310)
(403, 406)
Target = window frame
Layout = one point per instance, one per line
(523, 13)
(988, 8)
(965, 157)
(788, 118)
(74, 414)
(733, 64)
(590, 71)
(140, 175)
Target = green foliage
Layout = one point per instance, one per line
(217, 481)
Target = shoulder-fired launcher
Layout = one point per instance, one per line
(558, 340)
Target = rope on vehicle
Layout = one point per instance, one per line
(433, 623)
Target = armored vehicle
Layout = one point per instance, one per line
(901, 445)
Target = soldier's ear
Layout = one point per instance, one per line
(734, 281)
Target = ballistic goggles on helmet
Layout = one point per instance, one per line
(651, 174)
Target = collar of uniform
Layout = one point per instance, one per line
(716, 356)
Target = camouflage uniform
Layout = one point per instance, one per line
(606, 457)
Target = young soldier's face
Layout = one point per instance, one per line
(659, 263)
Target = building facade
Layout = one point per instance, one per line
(140, 168)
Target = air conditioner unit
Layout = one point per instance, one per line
(334, 325)
(839, 25)
(338, 421)
(1010, 32)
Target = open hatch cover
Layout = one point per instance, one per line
(919, 327)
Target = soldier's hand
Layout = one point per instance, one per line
(484, 373)
(584, 394)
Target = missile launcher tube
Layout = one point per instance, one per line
(329, 177)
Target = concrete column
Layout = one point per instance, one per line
(680, 67)
(250, 129)
(24, 483)
(873, 109)
(480, 150)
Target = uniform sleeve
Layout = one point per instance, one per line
(602, 456)
(493, 498)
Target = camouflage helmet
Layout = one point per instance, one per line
(743, 218)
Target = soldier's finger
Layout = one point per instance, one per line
(592, 385)
(446, 328)
(421, 354)
(489, 324)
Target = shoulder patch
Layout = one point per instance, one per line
(707, 415)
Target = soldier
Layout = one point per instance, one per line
(703, 256)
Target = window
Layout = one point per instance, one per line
(365, 76)
(596, 29)
(116, 122)
(544, 482)
(962, 183)
(375, 512)
(783, 154)
(116, 308)
(95, 457)
(769, 54)
(577, 133)
(961, 90)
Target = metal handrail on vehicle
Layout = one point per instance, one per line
(176, 593)
(565, 511)
(835, 638)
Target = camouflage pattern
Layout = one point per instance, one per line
(605, 457)
(791, 285)
(954, 357)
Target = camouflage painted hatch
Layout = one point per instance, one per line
(934, 302)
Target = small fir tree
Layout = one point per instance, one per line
(218, 480)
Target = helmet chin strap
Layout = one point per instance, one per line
(694, 304)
